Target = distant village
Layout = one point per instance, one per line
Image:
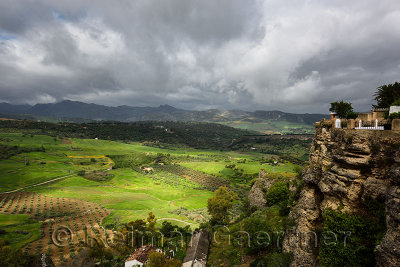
(385, 114)
(374, 120)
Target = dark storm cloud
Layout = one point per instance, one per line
(291, 55)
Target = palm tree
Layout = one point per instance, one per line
(386, 95)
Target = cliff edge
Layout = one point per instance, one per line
(348, 168)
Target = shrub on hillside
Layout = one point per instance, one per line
(273, 260)
(360, 233)
(395, 115)
(256, 227)
(277, 193)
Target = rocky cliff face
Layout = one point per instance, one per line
(347, 167)
(257, 192)
(265, 180)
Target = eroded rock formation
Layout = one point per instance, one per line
(346, 167)
(257, 192)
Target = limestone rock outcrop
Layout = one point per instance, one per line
(347, 167)
(257, 193)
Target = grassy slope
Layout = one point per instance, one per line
(249, 167)
(16, 174)
(128, 194)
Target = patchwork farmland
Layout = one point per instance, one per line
(59, 193)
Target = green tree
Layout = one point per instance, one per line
(130, 235)
(99, 252)
(167, 228)
(396, 103)
(277, 193)
(258, 242)
(157, 259)
(219, 205)
(343, 109)
(386, 95)
(151, 220)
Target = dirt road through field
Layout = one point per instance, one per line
(42, 183)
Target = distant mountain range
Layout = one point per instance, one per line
(73, 109)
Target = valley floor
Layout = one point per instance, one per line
(125, 181)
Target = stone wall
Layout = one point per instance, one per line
(396, 125)
(346, 167)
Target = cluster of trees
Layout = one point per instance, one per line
(254, 233)
(295, 149)
(9, 151)
(168, 237)
(236, 173)
(11, 257)
(138, 159)
(132, 236)
(367, 230)
(194, 134)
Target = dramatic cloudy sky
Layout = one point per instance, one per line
(238, 54)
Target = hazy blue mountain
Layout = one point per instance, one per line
(279, 115)
(7, 108)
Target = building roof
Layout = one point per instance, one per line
(141, 254)
(198, 248)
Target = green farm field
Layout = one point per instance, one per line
(127, 180)
(219, 168)
(129, 194)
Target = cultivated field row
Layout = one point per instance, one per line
(208, 181)
(67, 224)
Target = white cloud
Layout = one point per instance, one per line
(95, 41)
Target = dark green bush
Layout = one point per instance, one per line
(273, 260)
(252, 226)
(277, 193)
(358, 250)
(395, 115)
